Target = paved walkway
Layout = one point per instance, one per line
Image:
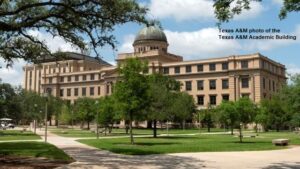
(91, 158)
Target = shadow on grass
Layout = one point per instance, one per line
(106, 159)
(17, 133)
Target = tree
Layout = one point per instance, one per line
(107, 116)
(130, 91)
(207, 116)
(160, 88)
(227, 114)
(83, 23)
(246, 112)
(85, 110)
(65, 116)
(227, 9)
(183, 107)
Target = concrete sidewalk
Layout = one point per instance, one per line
(91, 158)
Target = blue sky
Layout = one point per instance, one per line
(191, 31)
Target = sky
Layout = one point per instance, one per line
(191, 31)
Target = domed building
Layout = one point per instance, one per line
(209, 81)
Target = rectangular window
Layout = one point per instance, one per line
(91, 91)
(83, 91)
(212, 67)
(212, 84)
(61, 92)
(62, 79)
(107, 89)
(273, 86)
(245, 95)
(76, 92)
(76, 78)
(99, 90)
(200, 68)
(225, 84)
(188, 85)
(84, 77)
(50, 79)
(188, 69)
(244, 64)
(177, 69)
(225, 66)
(245, 82)
(69, 78)
(264, 83)
(225, 97)
(68, 92)
(213, 99)
(200, 100)
(200, 85)
(92, 76)
(166, 70)
(269, 84)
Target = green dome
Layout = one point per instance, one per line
(150, 33)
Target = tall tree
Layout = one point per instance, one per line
(227, 114)
(83, 23)
(107, 113)
(208, 116)
(160, 88)
(227, 9)
(85, 110)
(130, 90)
(183, 107)
(246, 110)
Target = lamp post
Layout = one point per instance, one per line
(97, 127)
(46, 114)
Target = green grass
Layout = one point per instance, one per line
(199, 143)
(33, 149)
(17, 135)
(121, 132)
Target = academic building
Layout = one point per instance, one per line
(207, 80)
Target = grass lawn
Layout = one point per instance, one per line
(121, 132)
(32, 149)
(17, 135)
(199, 143)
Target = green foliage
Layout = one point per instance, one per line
(208, 116)
(131, 90)
(228, 114)
(107, 108)
(87, 24)
(227, 9)
(85, 110)
(65, 116)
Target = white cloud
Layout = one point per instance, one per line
(195, 10)
(198, 44)
(13, 75)
(255, 10)
(126, 47)
(182, 10)
(54, 43)
(278, 2)
(293, 69)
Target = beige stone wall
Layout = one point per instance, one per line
(38, 77)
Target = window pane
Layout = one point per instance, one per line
(225, 84)
(212, 66)
(200, 68)
(212, 100)
(188, 85)
(200, 100)
(212, 84)
(225, 66)
(177, 69)
(188, 69)
(245, 82)
(200, 85)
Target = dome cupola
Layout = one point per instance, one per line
(150, 38)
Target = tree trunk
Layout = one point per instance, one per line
(240, 135)
(256, 129)
(126, 126)
(183, 124)
(105, 130)
(231, 130)
(130, 128)
(154, 128)
(208, 127)
(88, 125)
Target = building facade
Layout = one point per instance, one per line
(209, 81)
